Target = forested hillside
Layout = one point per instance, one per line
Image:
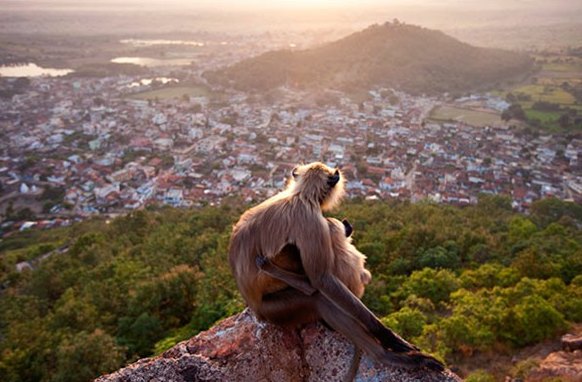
(405, 57)
(457, 282)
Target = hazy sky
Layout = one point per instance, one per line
(114, 16)
(573, 7)
(257, 4)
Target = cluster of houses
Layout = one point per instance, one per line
(109, 153)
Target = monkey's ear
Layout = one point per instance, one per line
(333, 179)
(294, 172)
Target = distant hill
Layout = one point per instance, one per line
(406, 57)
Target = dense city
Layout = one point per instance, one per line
(104, 151)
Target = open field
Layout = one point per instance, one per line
(170, 92)
(548, 119)
(543, 116)
(548, 76)
(470, 117)
(546, 93)
(574, 67)
(557, 82)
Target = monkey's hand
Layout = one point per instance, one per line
(261, 261)
(297, 281)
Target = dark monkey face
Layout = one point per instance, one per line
(348, 227)
(333, 179)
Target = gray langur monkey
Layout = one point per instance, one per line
(287, 270)
(348, 267)
(293, 221)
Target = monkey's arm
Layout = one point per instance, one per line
(295, 280)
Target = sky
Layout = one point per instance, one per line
(421, 6)
(450, 16)
(263, 4)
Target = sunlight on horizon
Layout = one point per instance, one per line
(457, 17)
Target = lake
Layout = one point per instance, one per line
(148, 81)
(139, 42)
(32, 70)
(152, 62)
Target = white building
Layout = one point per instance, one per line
(174, 197)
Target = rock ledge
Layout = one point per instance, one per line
(241, 348)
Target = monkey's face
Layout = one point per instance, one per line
(318, 182)
(340, 229)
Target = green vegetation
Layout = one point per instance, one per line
(480, 376)
(457, 282)
(546, 93)
(546, 118)
(471, 117)
(170, 92)
(553, 100)
(563, 67)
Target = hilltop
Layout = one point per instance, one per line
(474, 286)
(241, 348)
(405, 57)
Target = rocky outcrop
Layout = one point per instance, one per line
(241, 348)
(571, 342)
(565, 366)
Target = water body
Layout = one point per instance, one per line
(148, 81)
(32, 70)
(152, 62)
(138, 42)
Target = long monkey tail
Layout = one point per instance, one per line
(361, 338)
(414, 359)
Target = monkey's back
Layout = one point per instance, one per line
(262, 230)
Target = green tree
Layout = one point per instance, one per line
(494, 205)
(551, 210)
(520, 230)
(438, 257)
(84, 356)
(513, 112)
(434, 285)
(534, 320)
(531, 263)
(71, 312)
(406, 322)
(171, 297)
(488, 276)
(466, 333)
(480, 376)
(140, 335)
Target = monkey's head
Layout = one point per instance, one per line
(318, 182)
